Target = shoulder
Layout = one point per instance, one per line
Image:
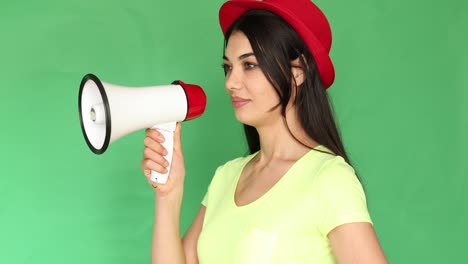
(341, 195)
(230, 169)
(236, 162)
(233, 165)
(336, 166)
(335, 174)
(224, 178)
(321, 164)
(324, 175)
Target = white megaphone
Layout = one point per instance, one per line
(109, 112)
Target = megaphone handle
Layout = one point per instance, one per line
(167, 130)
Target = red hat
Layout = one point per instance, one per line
(303, 15)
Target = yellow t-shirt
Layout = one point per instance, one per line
(290, 222)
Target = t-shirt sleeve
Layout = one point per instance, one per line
(342, 198)
(206, 198)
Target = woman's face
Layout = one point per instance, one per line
(251, 94)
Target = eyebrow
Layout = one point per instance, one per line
(241, 57)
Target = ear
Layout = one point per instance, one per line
(297, 71)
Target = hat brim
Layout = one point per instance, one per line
(230, 11)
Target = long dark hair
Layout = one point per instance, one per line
(275, 44)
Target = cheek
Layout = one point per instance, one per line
(260, 90)
(266, 99)
(259, 86)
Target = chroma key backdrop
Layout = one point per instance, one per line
(400, 98)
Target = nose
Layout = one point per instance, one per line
(233, 80)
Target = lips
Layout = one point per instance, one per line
(239, 101)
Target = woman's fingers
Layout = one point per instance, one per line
(154, 145)
(148, 164)
(155, 157)
(154, 134)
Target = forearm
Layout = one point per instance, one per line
(167, 244)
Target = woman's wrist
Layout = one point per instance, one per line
(172, 198)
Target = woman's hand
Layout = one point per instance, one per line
(154, 159)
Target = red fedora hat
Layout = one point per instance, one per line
(303, 15)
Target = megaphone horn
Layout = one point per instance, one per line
(109, 112)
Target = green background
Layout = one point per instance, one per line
(400, 97)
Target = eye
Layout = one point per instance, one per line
(249, 65)
(226, 68)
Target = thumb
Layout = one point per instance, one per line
(177, 144)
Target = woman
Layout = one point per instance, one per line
(295, 198)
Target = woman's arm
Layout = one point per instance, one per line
(167, 244)
(190, 240)
(356, 243)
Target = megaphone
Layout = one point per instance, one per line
(109, 112)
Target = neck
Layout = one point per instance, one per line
(278, 143)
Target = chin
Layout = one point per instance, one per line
(246, 119)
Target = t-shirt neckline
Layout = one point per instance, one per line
(275, 186)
